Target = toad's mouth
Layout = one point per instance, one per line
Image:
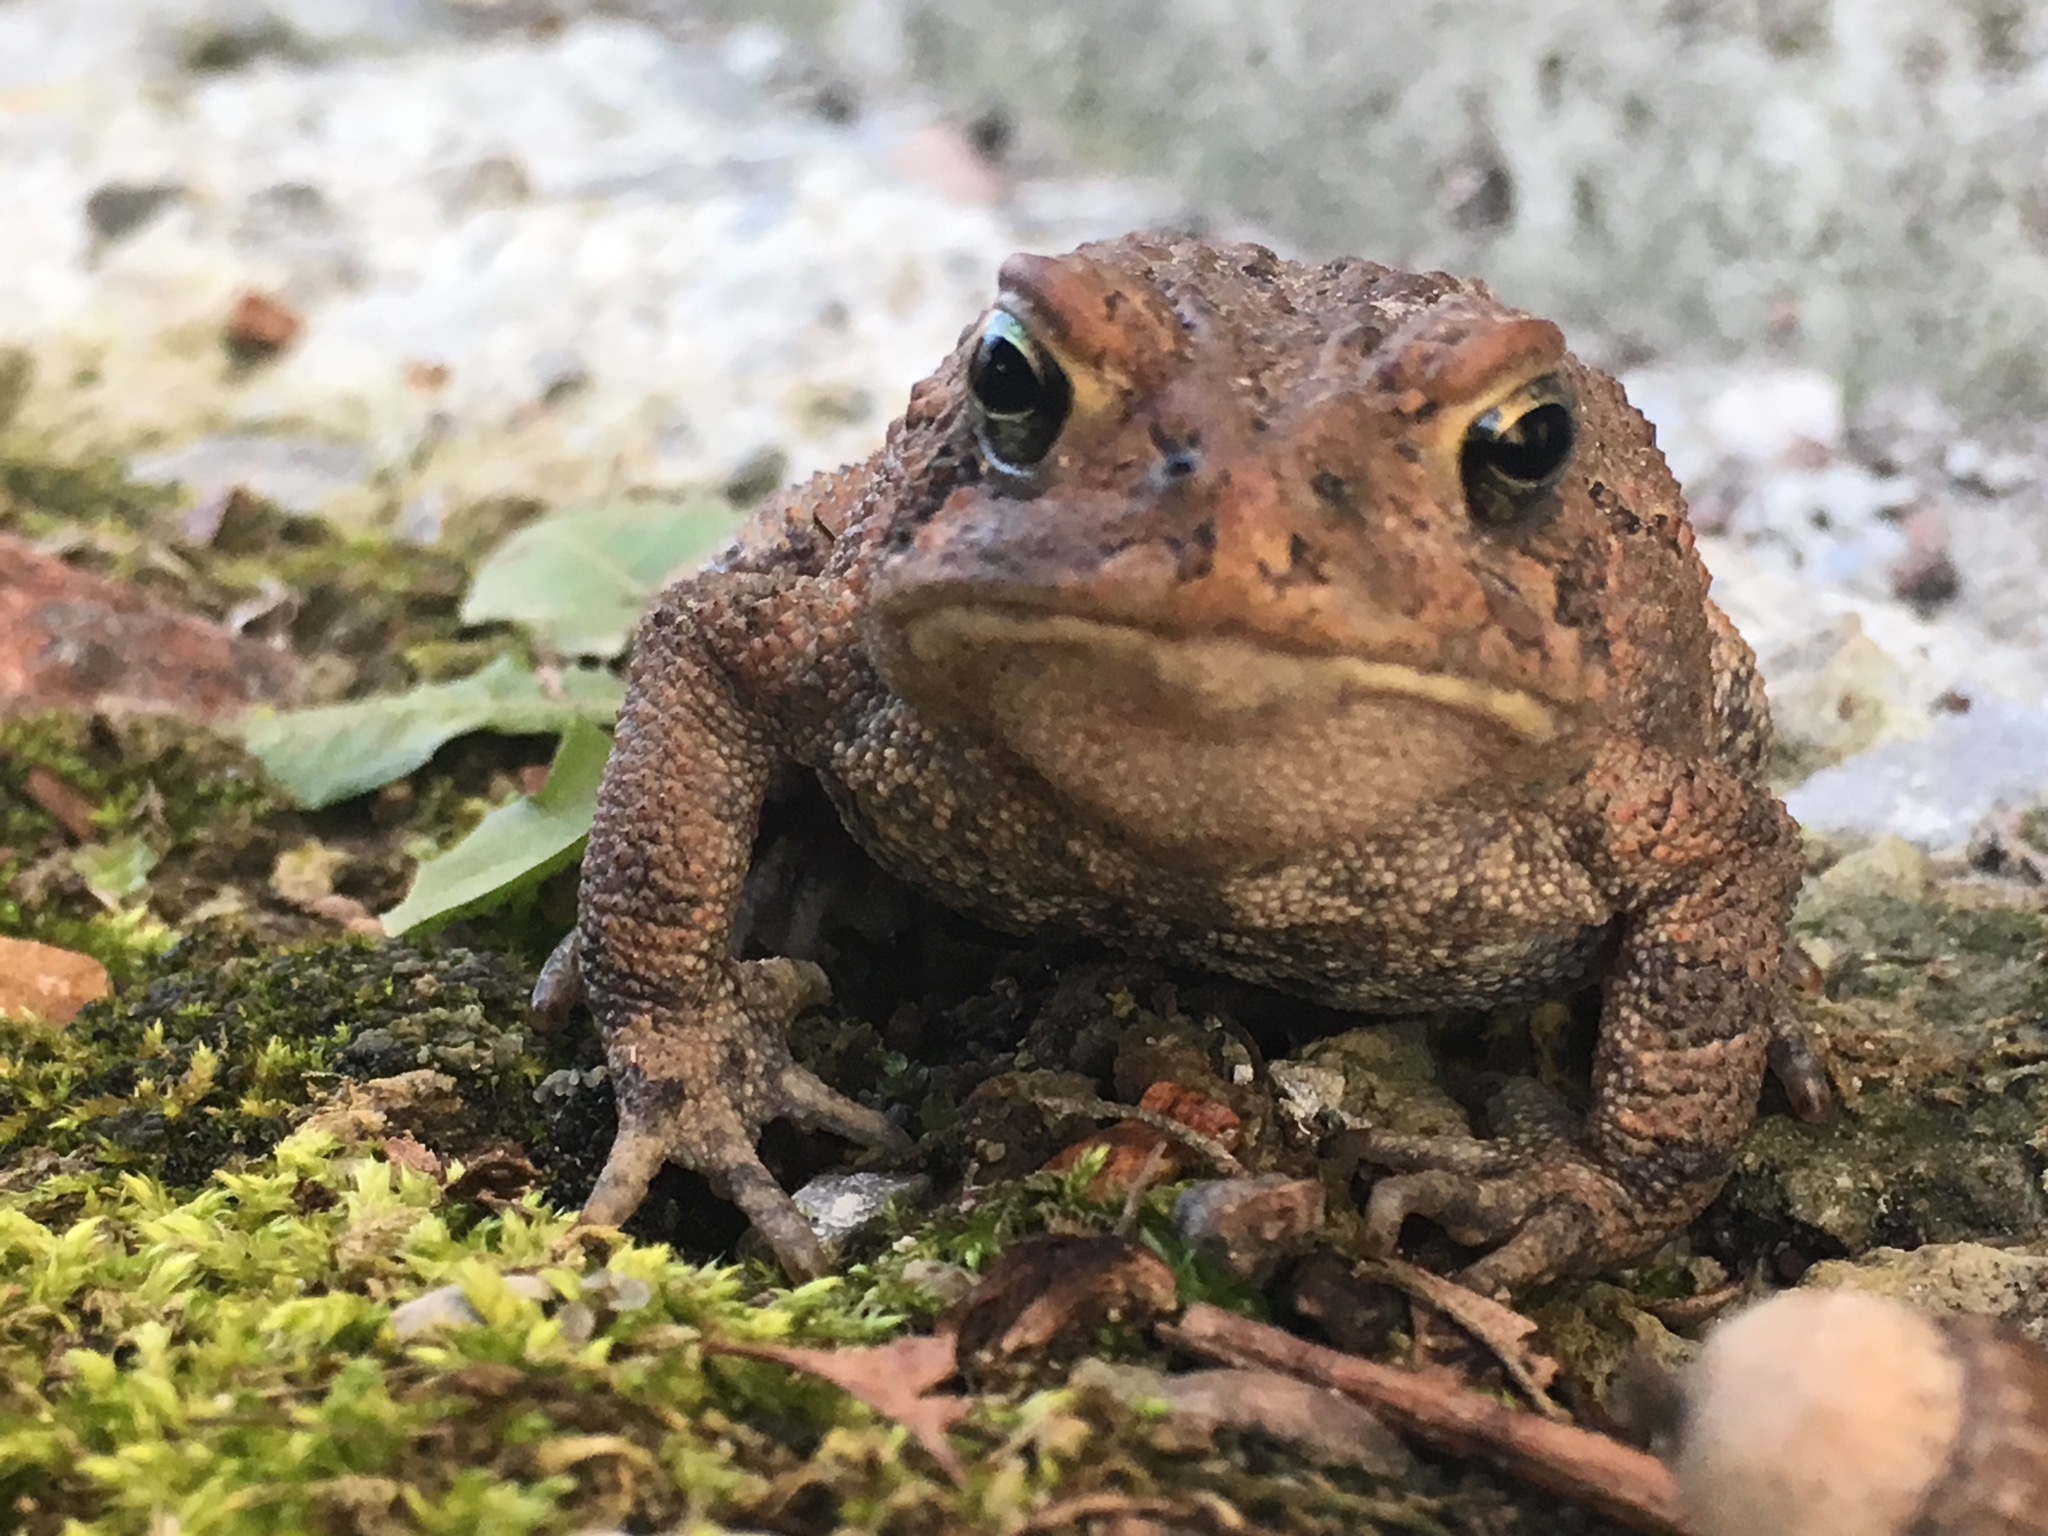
(981, 647)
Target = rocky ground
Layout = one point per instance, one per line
(324, 273)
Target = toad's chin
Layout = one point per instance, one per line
(1215, 745)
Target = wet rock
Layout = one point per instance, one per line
(1326, 1427)
(1390, 1079)
(1836, 692)
(1248, 1228)
(299, 474)
(1973, 466)
(1935, 1023)
(72, 640)
(1889, 868)
(1776, 416)
(944, 1283)
(120, 208)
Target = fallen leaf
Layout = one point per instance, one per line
(517, 845)
(495, 1178)
(40, 981)
(115, 871)
(404, 1152)
(896, 1380)
(320, 756)
(1050, 1295)
(580, 579)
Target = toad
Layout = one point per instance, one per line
(1327, 626)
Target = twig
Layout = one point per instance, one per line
(1627, 1486)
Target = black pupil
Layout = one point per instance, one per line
(1533, 446)
(1005, 379)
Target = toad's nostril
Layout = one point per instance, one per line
(1179, 457)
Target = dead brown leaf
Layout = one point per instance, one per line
(895, 1379)
(404, 1152)
(495, 1177)
(1048, 1296)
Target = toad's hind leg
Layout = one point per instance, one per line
(1704, 867)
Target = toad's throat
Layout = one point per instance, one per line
(1219, 674)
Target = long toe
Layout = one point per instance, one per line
(636, 1157)
(813, 1103)
(752, 1188)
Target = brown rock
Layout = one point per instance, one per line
(260, 326)
(40, 981)
(70, 639)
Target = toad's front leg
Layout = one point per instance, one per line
(694, 1037)
(1704, 869)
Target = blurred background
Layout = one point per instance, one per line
(384, 261)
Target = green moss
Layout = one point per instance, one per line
(190, 807)
(226, 1363)
(40, 496)
(211, 1062)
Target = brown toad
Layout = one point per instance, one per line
(1327, 626)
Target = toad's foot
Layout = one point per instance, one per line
(697, 1091)
(1540, 1202)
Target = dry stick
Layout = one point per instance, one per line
(1627, 1486)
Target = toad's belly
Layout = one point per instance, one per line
(1468, 908)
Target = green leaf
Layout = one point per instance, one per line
(579, 580)
(115, 871)
(517, 845)
(319, 756)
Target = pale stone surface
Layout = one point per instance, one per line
(559, 264)
(1857, 184)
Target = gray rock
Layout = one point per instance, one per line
(842, 1206)
(445, 1307)
(1950, 1277)
(1935, 790)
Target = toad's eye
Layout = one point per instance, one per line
(1021, 394)
(1517, 451)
